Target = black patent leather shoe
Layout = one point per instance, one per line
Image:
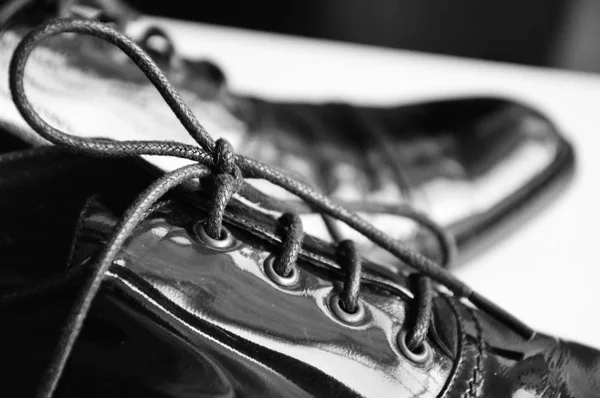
(214, 292)
(476, 166)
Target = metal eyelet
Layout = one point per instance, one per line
(420, 357)
(286, 281)
(352, 318)
(224, 242)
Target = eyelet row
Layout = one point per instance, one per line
(421, 356)
(335, 304)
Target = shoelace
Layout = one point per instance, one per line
(228, 171)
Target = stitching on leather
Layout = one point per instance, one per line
(477, 377)
(461, 344)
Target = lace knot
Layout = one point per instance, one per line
(223, 158)
(227, 180)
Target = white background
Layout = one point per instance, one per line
(547, 273)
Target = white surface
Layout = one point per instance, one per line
(547, 273)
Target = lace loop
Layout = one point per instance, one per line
(227, 180)
(348, 253)
(136, 54)
(292, 243)
(223, 158)
(423, 311)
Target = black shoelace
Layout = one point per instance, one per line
(217, 160)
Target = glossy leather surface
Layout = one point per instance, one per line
(177, 318)
(486, 359)
(474, 165)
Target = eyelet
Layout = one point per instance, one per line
(224, 242)
(420, 357)
(351, 318)
(286, 281)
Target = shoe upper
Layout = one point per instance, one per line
(178, 317)
(454, 160)
(222, 301)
